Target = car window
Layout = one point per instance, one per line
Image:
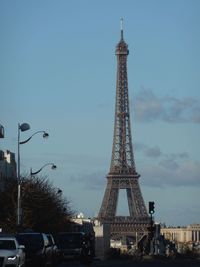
(31, 241)
(50, 240)
(7, 244)
(46, 240)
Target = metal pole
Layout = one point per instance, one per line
(18, 181)
(23, 127)
(136, 239)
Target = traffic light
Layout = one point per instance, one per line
(151, 207)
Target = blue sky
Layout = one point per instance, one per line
(58, 73)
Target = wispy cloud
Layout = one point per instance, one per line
(91, 181)
(149, 107)
(152, 152)
(155, 152)
(170, 173)
(166, 173)
(175, 169)
(169, 164)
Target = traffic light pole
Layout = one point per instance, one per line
(151, 235)
(151, 227)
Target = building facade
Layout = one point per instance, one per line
(1, 131)
(8, 166)
(189, 234)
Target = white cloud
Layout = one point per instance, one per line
(149, 107)
(175, 169)
(151, 152)
(169, 164)
(91, 181)
(171, 173)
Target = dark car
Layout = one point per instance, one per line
(37, 248)
(56, 253)
(70, 244)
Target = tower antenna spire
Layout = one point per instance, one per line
(122, 28)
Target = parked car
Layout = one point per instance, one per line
(37, 248)
(56, 254)
(70, 244)
(11, 253)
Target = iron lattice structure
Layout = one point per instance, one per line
(123, 173)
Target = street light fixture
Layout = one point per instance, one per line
(45, 135)
(22, 128)
(59, 191)
(53, 167)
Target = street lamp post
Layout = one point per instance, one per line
(53, 167)
(22, 128)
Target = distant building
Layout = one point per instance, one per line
(83, 224)
(189, 235)
(1, 131)
(8, 166)
(102, 239)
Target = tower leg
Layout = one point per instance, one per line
(110, 200)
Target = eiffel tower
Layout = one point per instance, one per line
(122, 174)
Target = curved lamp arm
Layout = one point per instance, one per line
(45, 135)
(53, 167)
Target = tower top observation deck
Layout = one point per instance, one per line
(122, 47)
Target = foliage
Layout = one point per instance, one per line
(43, 206)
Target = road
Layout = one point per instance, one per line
(121, 263)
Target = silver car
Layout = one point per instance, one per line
(11, 253)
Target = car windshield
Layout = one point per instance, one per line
(7, 244)
(31, 241)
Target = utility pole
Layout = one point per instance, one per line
(151, 235)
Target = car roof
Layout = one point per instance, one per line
(7, 238)
(69, 233)
(30, 233)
